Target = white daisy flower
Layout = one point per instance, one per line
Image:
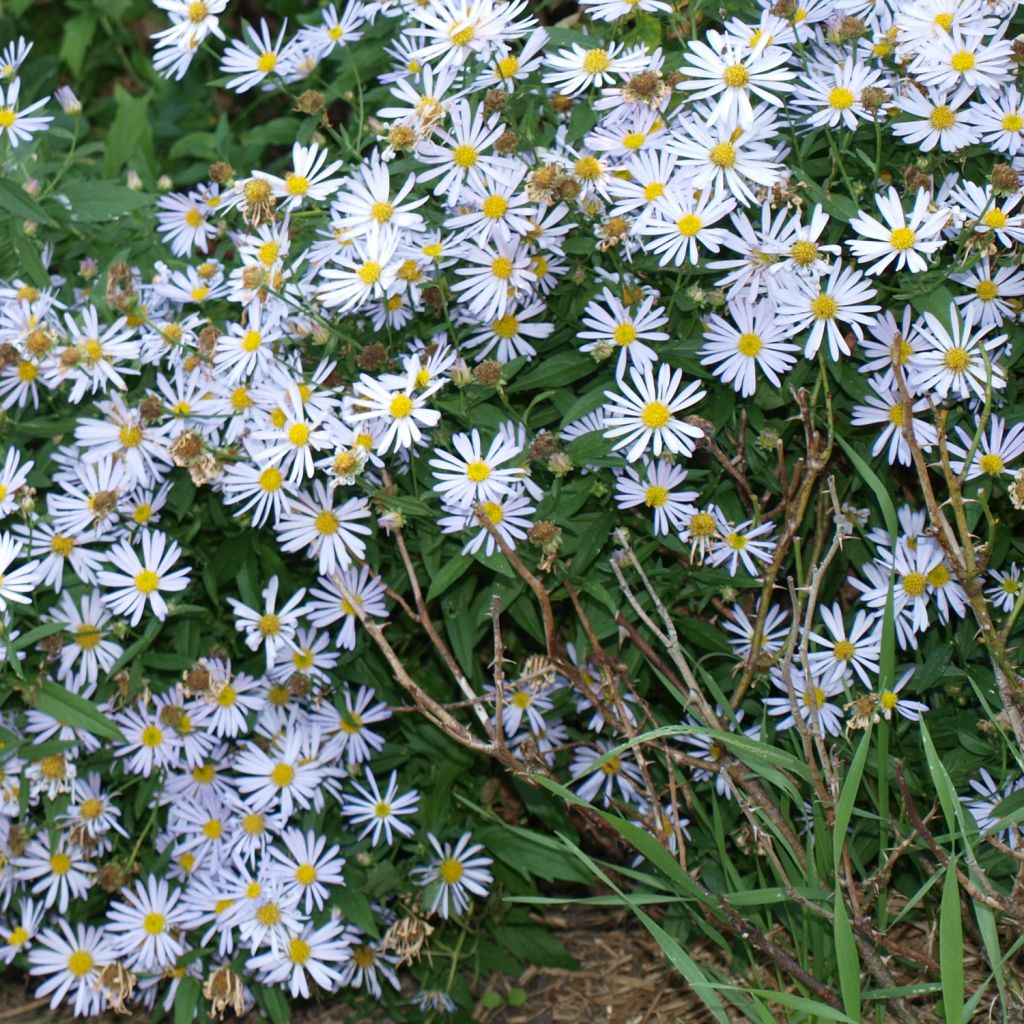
(457, 873)
(269, 627)
(905, 239)
(472, 476)
(381, 814)
(137, 582)
(647, 417)
(734, 351)
(959, 361)
(654, 484)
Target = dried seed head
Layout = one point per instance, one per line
(310, 102)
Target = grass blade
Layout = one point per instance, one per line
(951, 946)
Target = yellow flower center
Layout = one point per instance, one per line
(253, 824)
(268, 915)
(587, 168)
(995, 218)
(60, 863)
(655, 496)
(305, 874)
(298, 434)
(267, 253)
(596, 61)
(702, 525)
(749, 344)
(841, 98)
(369, 273)
(91, 809)
(914, 584)
(896, 415)
(299, 951)
(624, 334)
(501, 268)
(152, 737)
(814, 697)
(902, 239)
(18, 937)
(1010, 585)
(401, 407)
(154, 924)
(27, 372)
(326, 523)
(266, 62)
(382, 212)
(986, 291)
(655, 190)
(944, 20)
(59, 545)
(478, 471)
(655, 415)
(633, 140)
(506, 67)
(464, 156)
(1013, 122)
(282, 775)
(494, 207)
(7, 117)
(962, 61)
(197, 11)
(723, 155)
(462, 36)
(80, 963)
(268, 625)
(824, 307)
(803, 253)
(204, 773)
(938, 577)
(450, 870)
(889, 700)
(992, 464)
(506, 327)
(736, 541)
(736, 76)
(131, 436)
(240, 400)
(146, 581)
(843, 651)
(213, 829)
(52, 767)
(493, 512)
(688, 225)
(957, 360)
(942, 118)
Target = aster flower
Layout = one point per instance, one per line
(646, 416)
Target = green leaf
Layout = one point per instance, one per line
(951, 946)
(95, 201)
(78, 34)
(451, 572)
(275, 1002)
(848, 797)
(30, 264)
(130, 130)
(17, 203)
(847, 958)
(37, 634)
(876, 485)
(57, 702)
(186, 999)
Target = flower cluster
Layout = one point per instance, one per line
(530, 303)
